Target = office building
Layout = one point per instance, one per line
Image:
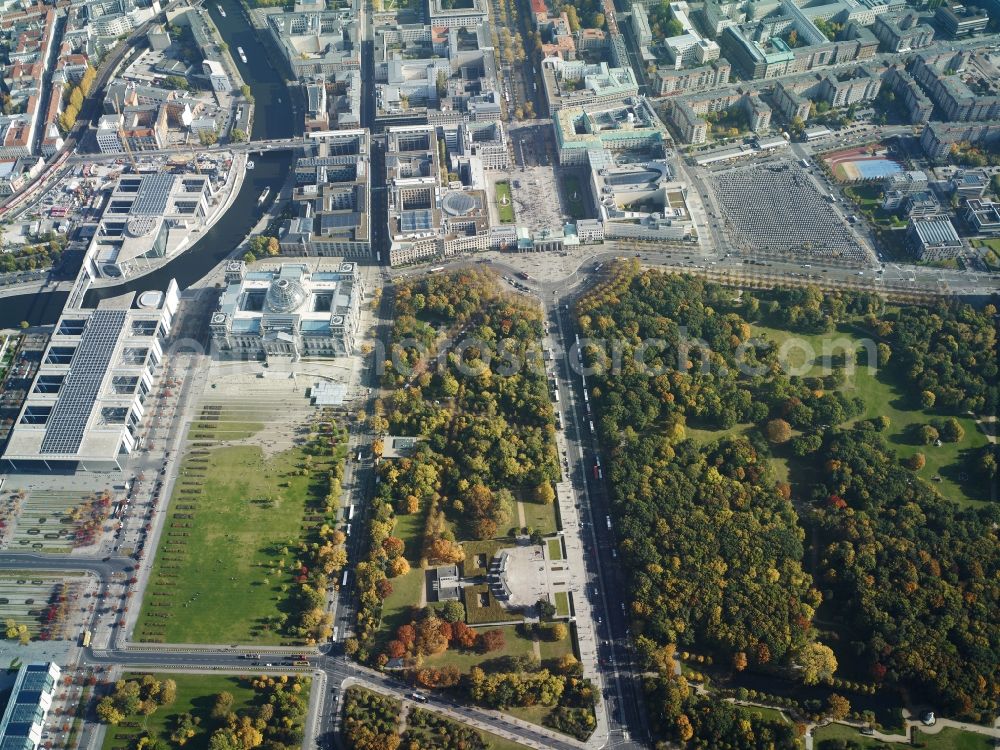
(901, 33)
(577, 83)
(217, 76)
(637, 200)
(906, 183)
(317, 117)
(939, 75)
(961, 20)
(486, 141)
(468, 14)
(970, 183)
(918, 107)
(686, 113)
(615, 128)
(670, 82)
(982, 217)
(938, 137)
(933, 238)
(316, 42)
(332, 198)
(760, 50)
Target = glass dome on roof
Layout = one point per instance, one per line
(285, 296)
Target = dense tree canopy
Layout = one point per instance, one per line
(480, 403)
(916, 575)
(910, 572)
(678, 714)
(949, 352)
(723, 563)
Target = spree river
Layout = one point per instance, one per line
(273, 118)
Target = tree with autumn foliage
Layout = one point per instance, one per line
(445, 552)
(837, 707)
(464, 636)
(438, 677)
(492, 640)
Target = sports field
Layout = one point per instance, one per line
(861, 164)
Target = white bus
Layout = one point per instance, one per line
(343, 581)
(556, 394)
(350, 513)
(348, 532)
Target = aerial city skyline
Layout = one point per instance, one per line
(498, 374)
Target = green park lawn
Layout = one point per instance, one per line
(769, 714)
(561, 602)
(227, 547)
(396, 607)
(493, 741)
(540, 517)
(993, 243)
(553, 650)
(883, 397)
(478, 613)
(843, 732)
(211, 430)
(514, 645)
(946, 739)
(195, 695)
(555, 548)
(496, 742)
(410, 528)
(505, 205)
(954, 739)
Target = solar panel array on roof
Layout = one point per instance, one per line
(68, 422)
(153, 195)
(936, 231)
(418, 220)
(338, 220)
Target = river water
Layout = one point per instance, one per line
(273, 118)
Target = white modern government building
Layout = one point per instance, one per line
(86, 405)
(28, 708)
